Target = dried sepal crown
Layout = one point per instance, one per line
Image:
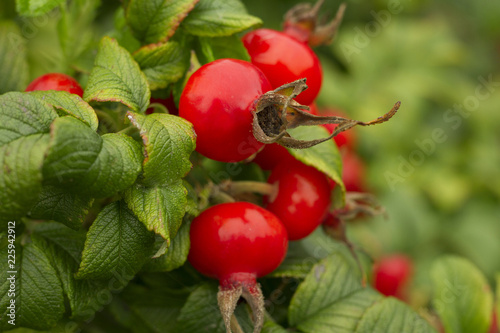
(276, 112)
(302, 22)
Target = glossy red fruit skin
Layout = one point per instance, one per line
(218, 100)
(353, 172)
(283, 59)
(392, 274)
(56, 81)
(302, 199)
(237, 241)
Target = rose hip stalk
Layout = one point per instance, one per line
(237, 243)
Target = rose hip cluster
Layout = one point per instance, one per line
(239, 242)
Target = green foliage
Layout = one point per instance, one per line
(116, 77)
(217, 18)
(14, 71)
(35, 8)
(462, 296)
(156, 21)
(103, 195)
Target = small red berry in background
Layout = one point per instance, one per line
(353, 172)
(392, 274)
(218, 100)
(56, 81)
(302, 198)
(283, 59)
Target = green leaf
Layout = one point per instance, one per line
(201, 313)
(344, 315)
(462, 296)
(271, 327)
(69, 104)
(21, 163)
(116, 77)
(154, 21)
(74, 29)
(176, 255)
(325, 157)
(14, 70)
(59, 205)
(160, 208)
(163, 64)
(328, 281)
(217, 18)
(38, 293)
(36, 7)
(169, 141)
(303, 254)
(211, 49)
(116, 240)
(64, 247)
(149, 310)
(159, 201)
(22, 115)
(80, 160)
(392, 316)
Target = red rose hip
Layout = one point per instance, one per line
(237, 243)
(283, 59)
(302, 198)
(218, 100)
(56, 81)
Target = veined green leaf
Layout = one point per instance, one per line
(69, 104)
(22, 115)
(154, 21)
(38, 293)
(56, 204)
(21, 163)
(217, 18)
(116, 77)
(64, 247)
(163, 64)
(392, 316)
(80, 160)
(328, 281)
(116, 241)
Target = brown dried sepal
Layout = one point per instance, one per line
(302, 22)
(359, 206)
(270, 123)
(228, 297)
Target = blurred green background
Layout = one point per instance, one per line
(430, 55)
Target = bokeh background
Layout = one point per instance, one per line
(434, 57)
